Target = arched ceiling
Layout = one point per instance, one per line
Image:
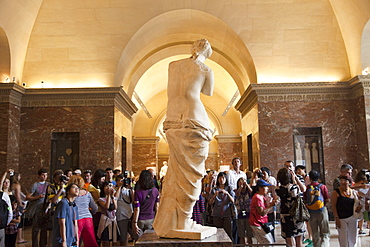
(172, 34)
(5, 56)
(114, 42)
(365, 49)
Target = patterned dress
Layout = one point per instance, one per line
(289, 226)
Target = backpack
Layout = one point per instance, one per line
(314, 198)
(4, 211)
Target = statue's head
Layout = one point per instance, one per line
(201, 46)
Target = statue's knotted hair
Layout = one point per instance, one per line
(201, 46)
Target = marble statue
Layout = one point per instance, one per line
(298, 151)
(315, 153)
(164, 169)
(188, 134)
(307, 157)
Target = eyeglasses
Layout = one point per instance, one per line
(87, 171)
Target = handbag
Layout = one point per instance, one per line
(267, 227)
(45, 216)
(299, 210)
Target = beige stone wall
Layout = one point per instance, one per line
(122, 128)
(251, 127)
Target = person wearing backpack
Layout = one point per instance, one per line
(6, 212)
(316, 198)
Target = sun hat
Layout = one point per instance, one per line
(262, 183)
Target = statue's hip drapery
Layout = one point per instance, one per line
(188, 142)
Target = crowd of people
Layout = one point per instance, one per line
(106, 206)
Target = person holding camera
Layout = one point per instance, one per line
(125, 198)
(56, 190)
(243, 198)
(221, 197)
(107, 229)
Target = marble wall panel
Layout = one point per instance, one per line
(337, 120)
(9, 135)
(143, 155)
(13, 136)
(95, 125)
(228, 150)
(4, 115)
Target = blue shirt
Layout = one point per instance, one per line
(69, 213)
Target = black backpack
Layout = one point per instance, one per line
(4, 211)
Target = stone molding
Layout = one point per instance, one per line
(228, 138)
(11, 93)
(145, 140)
(62, 97)
(305, 92)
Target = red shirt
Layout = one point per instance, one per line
(256, 219)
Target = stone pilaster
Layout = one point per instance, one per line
(144, 153)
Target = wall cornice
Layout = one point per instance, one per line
(11, 93)
(309, 92)
(228, 138)
(62, 97)
(145, 140)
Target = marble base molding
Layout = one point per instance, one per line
(150, 239)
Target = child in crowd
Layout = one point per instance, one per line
(12, 228)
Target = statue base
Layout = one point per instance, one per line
(150, 239)
(198, 234)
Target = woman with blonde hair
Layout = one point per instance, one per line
(84, 201)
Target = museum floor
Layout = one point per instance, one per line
(364, 240)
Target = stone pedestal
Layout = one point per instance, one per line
(150, 239)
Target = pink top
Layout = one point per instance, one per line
(254, 218)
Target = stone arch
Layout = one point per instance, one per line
(365, 48)
(174, 32)
(5, 56)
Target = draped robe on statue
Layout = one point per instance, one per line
(188, 135)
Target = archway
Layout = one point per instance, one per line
(174, 37)
(365, 49)
(5, 57)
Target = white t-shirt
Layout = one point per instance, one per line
(232, 177)
(6, 198)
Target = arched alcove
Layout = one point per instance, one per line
(5, 56)
(365, 49)
(160, 38)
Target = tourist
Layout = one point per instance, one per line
(343, 207)
(125, 198)
(243, 198)
(107, 230)
(258, 213)
(86, 208)
(146, 202)
(221, 197)
(36, 198)
(316, 198)
(65, 226)
(292, 230)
